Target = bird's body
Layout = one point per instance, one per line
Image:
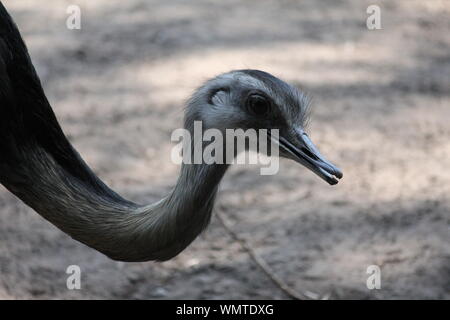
(39, 165)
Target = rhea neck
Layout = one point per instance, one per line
(196, 188)
(98, 217)
(181, 216)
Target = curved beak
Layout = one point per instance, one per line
(302, 150)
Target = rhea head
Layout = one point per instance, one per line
(253, 99)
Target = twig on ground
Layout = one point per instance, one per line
(293, 294)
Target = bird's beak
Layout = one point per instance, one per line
(301, 149)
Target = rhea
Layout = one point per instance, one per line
(39, 165)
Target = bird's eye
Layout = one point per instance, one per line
(258, 105)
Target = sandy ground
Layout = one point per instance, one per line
(381, 112)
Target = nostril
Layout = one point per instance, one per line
(309, 153)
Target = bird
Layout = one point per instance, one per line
(40, 166)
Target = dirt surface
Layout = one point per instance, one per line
(381, 112)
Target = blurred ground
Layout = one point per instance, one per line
(381, 112)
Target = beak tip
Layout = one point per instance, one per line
(332, 181)
(337, 176)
